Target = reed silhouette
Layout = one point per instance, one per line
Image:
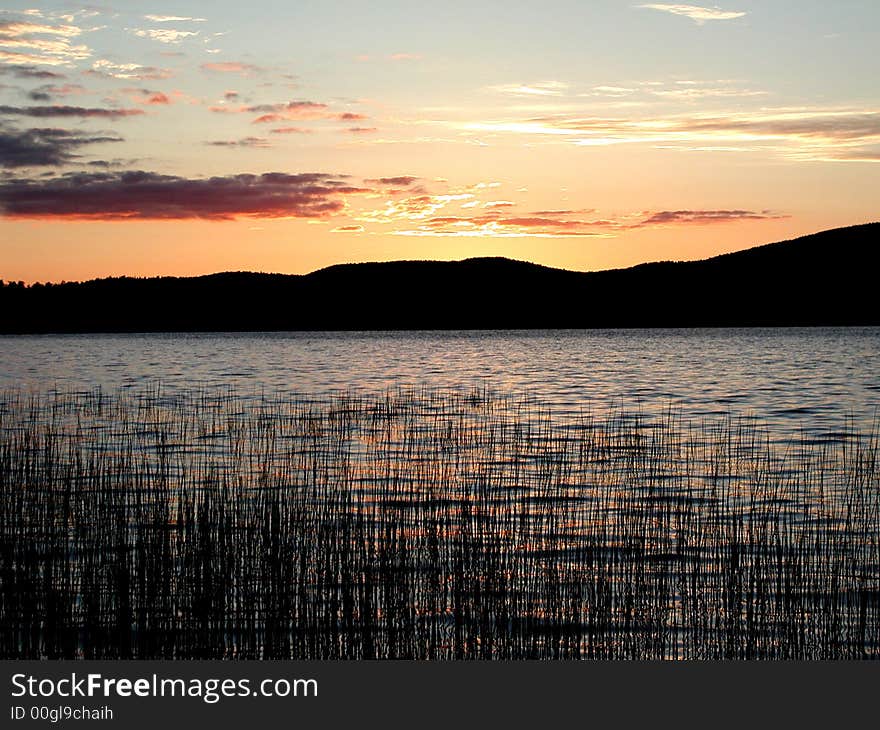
(426, 524)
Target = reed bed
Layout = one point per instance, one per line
(426, 524)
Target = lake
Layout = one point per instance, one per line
(668, 494)
(789, 378)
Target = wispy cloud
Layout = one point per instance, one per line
(40, 43)
(464, 214)
(400, 181)
(148, 97)
(493, 223)
(696, 12)
(415, 208)
(42, 112)
(173, 19)
(291, 130)
(351, 117)
(285, 111)
(612, 91)
(801, 134)
(243, 142)
(703, 217)
(231, 67)
(405, 57)
(539, 88)
(128, 71)
(164, 35)
(47, 92)
(30, 72)
(693, 93)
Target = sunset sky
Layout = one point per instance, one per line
(149, 137)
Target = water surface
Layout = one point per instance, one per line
(789, 378)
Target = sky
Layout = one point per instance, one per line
(182, 138)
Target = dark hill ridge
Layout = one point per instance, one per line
(828, 278)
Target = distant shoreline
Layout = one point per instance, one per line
(825, 279)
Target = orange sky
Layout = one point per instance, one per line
(592, 137)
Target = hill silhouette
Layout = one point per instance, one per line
(828, 278)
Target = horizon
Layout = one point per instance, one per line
(427, 261)
(138, 143)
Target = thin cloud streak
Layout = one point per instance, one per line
(40, 43)
(165, 35)
(231, 67)
(540, 88)
(43, 112)
(497, 219)
(173, 19)
(127, 71)
(806, 134)
(696, 13)
(259, 142)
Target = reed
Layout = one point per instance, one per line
(426, 524)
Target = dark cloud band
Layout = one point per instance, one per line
(150, 196)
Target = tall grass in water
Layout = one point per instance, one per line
(438, 525)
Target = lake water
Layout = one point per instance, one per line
(790, 379)
(441, 523)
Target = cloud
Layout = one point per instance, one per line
(128, 71)
(148, 97)
(695, 12)
(30, 72)
(405, 57)
(138, 195)
(797, 134)
(173, 19)
(691, 93)
(40, 43)
(243, 142)
(231, 67)
(496, 219)
(414, 208)
(285, 111)
(263, 119)
(493, 223)
(45, 147)
(291, 130)
(164, 35)
(42, 112)
(399, 181)
(157, 98)
(351, 117)
(546, 213)
(867, 155)
(540, 88)
(702, 217)
(48, 91)
(360, 130)
(15, 58)
(348, 229)
(612, 91)
(109, 164)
